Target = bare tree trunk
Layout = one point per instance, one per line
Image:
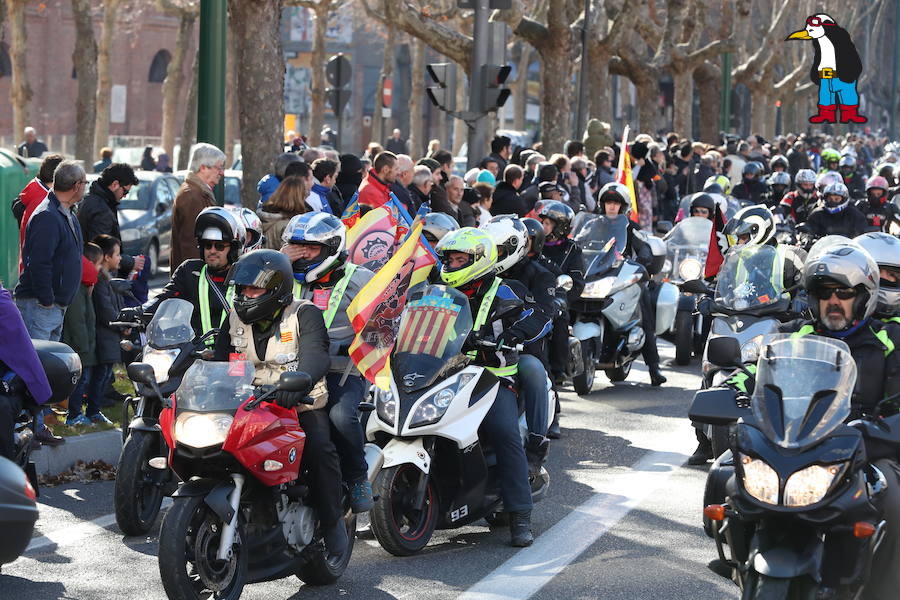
(387, 69)
(173, 83)
(417, 140)
(257, 29)
(317, 84)
(19, 90)
(759, 108)
(231, 97)
(520, 88)
(556, 97)
(600, 101)
(460, 131)
(189, 129)
(85, 60)
(682, 109)
(647, 99)
(104, 77)
(709, 86)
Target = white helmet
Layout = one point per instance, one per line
(885, 249)
(219, 224)
(827, 178)
(756, 222)
(511, 238)
(253, 227)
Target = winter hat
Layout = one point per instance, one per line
(350, 163)
(88, 272)
(487, 177)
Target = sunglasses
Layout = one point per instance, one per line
(841, 293)
(220, 246)
(817, 22)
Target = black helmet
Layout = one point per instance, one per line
(268, 269)
(704, 201)
(561, 214)
(219, 224)
(752, 169)
(536, 233)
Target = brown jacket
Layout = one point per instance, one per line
(193, 197)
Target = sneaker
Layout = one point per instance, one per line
(361, 497)
(100, 419)
(79, 420)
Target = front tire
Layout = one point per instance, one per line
(188, 542)
(137, 496)
(619, 373)
(399, 528)
(584, 382)
(763, 587)
(719, 440)
(321, 571)
(684, 337)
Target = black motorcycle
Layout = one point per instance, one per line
(797, 484)
(170, 350)
(18, 511)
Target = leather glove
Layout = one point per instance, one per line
(133, 314)
(289, 399)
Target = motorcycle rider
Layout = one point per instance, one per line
(511, 239)
(254, 239)
(722, 181)
(837, 216)
(779, 185)
(751, 187)
(875, 206)
(797, 204)
(436, 226)
(852, 178)
(202, 282)
(315, 244)
(615, 200)
(562, 256)
(703, 205)
(778, 164)
(885, 250)
(831, 159)
(468, 257)
(278, 333)
(751, 225)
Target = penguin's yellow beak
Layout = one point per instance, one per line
(799, 35)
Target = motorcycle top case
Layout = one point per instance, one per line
(18, 512)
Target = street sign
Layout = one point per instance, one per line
(388, 92)
(338, 70)
(337, 99)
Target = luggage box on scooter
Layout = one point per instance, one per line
(18, 511)
(716, 407)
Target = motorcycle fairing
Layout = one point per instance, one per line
(268, 432)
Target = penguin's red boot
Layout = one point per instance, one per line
(849, 114)
(827, 114)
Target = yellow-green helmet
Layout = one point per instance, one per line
(474, 242)
(722, 181)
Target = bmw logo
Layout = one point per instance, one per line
(292, 455)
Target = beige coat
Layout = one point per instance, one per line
(193, 196)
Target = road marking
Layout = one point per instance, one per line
(69, 535)
(532, 568)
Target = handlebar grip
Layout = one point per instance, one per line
(133, 325)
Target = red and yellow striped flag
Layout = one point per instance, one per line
(624, 174)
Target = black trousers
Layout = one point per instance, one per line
(321, 466)
(10, 407)
(649, 352)
(559, 344)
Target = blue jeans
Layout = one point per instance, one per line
(501, 427)
(348, 436)
(533, 390)
(41, 322)
(96, 387)
(77, 397)
(834, 91)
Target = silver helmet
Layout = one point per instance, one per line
(885, 250)
(847, 265)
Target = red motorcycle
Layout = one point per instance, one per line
(243, 513)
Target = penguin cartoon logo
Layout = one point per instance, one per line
(835, 69)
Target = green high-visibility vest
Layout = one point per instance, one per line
(205, 316)
(337, 293)
(484, 310)
(882, 336)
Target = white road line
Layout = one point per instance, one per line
(532, 568)
(76, 533)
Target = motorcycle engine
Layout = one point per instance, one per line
(298, 522)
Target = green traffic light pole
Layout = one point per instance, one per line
(211, 89)
(725, 105)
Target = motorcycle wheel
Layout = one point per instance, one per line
(684, 337)
(321, 571)
(398, 527)
(188, 542)
(137, 497)
(719, 440)
(584, 382)
(763, 587)
(619, 373)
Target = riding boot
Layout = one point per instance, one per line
(520, 529)
(536, 451)
(336, 540)
(554, 433)
(656, 377)
(849, 114)
(827, 114)
(703, 452)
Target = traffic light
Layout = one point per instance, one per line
(443, 93)
(494, 94)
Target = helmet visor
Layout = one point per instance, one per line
(250, 274)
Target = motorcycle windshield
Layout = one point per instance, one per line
(803, 388)
(435, 324)
(215, 386)
(691, 232)
(602, 241)
(751, 277)
(171, 325)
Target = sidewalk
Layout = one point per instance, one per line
(102, 445)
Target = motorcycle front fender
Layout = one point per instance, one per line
(215, 493)
(787, 554)
(398, 452)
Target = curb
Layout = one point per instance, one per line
(102, 445)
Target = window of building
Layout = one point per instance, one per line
(5, 64)
(159, 66)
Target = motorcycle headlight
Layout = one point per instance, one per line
(161, 361)
(200, 430)
(760, 480)
(433, 407)
(598, 289)
(130, 235)
(750, 349)
(386, 406)
(690, 268)
(808, 486)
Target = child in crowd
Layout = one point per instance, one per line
(80, 332)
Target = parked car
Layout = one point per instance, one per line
(145, 216)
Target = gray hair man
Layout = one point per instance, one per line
(196, 193)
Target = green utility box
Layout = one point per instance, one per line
(15, 173)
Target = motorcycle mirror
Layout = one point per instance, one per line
(694, 286)
(663, 227)
(141, 373)
(724, 351)
(564, 283)
(716, 407)
(295, 381)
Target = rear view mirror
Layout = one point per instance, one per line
(141, 373)
(716, 407)
(295, 381)
(724, 351)
(694, 286)
(564, 283)
(663, 227)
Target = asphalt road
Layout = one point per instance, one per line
(622, 520)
